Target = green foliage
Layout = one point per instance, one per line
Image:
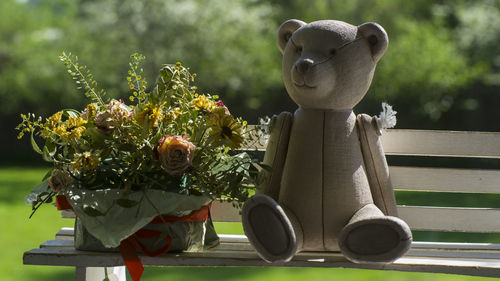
(477, 31)
(135, 79)
(33, 36)
(423, 68)
(83, 78)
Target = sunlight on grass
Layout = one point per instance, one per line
(294, 274)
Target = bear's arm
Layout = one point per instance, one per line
(376, 166)
(275, 155)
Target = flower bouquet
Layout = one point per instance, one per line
(141, 176)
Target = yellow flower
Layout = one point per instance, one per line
(224, 127)
(69, 131)
(85, 161)
(73, 134)
(202, 102)
(73, 122)
(72, 129)
(89, 112)
(53, 120)
(171, 115)
(150, 114)
(51, 123)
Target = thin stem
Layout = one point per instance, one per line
(49, 196)
(90, 89)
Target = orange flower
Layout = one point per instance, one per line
(175, 154)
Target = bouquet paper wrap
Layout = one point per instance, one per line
(111, 223)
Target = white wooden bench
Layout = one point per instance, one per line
(477, 259)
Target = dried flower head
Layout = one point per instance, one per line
(60, 180)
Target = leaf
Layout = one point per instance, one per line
(51, 147)
(71, 113)
(48, 174)
(35, 146)
(91, 211)
(43, 196)
(46, 155)
(126, 203)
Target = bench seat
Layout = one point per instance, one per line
(477, 259)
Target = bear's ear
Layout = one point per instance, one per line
(286, 30)
(376, 37)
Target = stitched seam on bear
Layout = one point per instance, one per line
(331, 57)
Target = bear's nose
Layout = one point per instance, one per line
(304, 65)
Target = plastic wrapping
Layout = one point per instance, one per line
(111, 216)
(186, 236)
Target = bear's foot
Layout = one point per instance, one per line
(372, 237)
(269, 229)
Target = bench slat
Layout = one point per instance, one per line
(441, 143)
(423, 257)
(430, 249)
(445, 180)
(451, 219)
(432, 143)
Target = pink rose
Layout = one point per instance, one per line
(115, 114)
(220, 105)
(175, 154)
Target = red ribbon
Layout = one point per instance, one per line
(195, 216)
(128, 246)
(62, 203)
(132, 261)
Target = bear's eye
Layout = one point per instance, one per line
(332, 52)
(298, 50)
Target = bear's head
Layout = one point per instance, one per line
(329, 64)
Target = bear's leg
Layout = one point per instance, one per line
(273, 231)
(370, 236)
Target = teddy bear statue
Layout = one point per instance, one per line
(328, 188)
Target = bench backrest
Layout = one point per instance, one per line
(410, 178)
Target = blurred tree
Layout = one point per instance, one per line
(226, 42)
(32, 37)
(475, 25)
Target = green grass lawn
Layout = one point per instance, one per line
(19, 234)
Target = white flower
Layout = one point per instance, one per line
(264, 130)
(387, 118)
